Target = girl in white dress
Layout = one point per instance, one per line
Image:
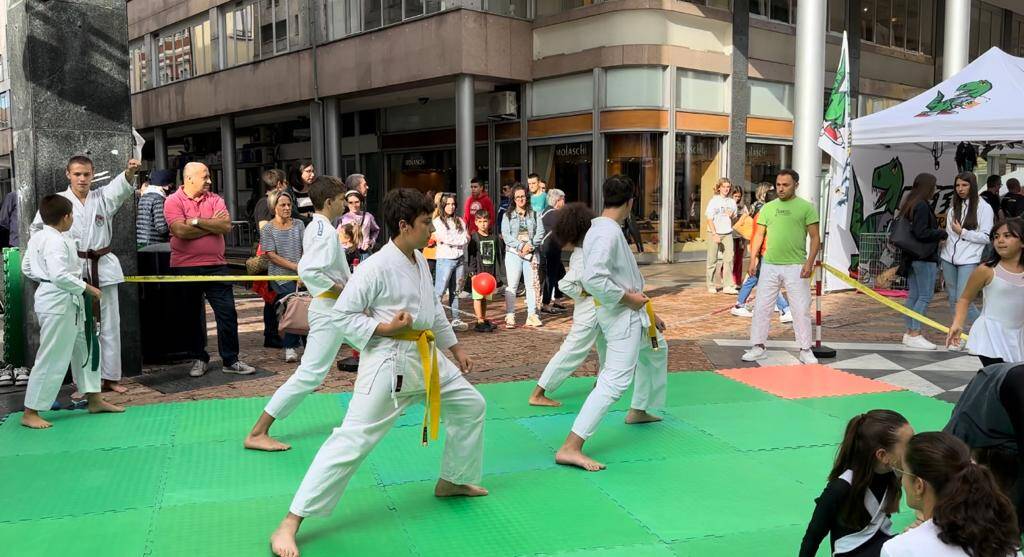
(998, 334)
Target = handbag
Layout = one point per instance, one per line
(901, 235)
(745, 227)
(293, 313)
(258, 264)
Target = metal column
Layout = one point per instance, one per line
(597, 168)
(465, 136)
(332, 138)
(957, 32)
(159, 147)
(810, 93)
(227, 151)
(666, 226)
(316, 135)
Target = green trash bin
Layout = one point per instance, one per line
(14, 309)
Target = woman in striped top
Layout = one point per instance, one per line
(281, 239)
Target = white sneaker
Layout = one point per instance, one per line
(918, 342)
(510, 321)
(199, 368)
(786, 317)
(533, 321)
(464, 295)
(807, 357)
(21, 376)
(459, 325)
(754, 354)
(960, 347)
(240, 368)
(741, 311)
(290, 355)
(730, 290)
(6, 376)
(712, 290)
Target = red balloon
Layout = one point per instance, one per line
(484, 284)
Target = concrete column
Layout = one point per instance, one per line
(957, 33)
(810, 93)
(597, 169)
(219, 42)
(316, 135)
(525, 107)
(159, 147)
(150, 49)
(465, 136)
(853, 13)
(227, 150)
(666, 226)
(332, 137)
(69, 96)
(493, 189)
(739, 91)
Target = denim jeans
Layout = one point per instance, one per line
(290, 340)
(955, 277)
(222, 300)
(922, 287)
(446, 268)
(515, 268)
(748, 285)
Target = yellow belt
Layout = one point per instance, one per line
(431, 378)
(328, 294)
(652, 329)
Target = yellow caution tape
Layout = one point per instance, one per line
(886, 301)
(211, 278)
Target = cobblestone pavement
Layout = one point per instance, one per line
(693, 315)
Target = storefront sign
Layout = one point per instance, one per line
(573, 150)
(414, 161)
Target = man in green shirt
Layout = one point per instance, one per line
(788, 221)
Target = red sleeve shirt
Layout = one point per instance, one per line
(207, 250)
(474, 204)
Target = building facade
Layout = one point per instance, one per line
(428, 93)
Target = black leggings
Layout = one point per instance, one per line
(986, 361)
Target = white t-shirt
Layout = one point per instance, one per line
(720, 212)
(922, 541)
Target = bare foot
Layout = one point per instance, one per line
(100, 406)
(640, 417)
(541, 400)
(264, 443)
(34, 421)
(282, 541)
(114, 386)
(445, 488)
(571, 457)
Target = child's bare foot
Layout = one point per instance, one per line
(445, 488)
(640, 417)
(282, 541)
(114, 386)
(264, 443)
(574, 457)
(99, 406)
(34, 420)
(539, 398)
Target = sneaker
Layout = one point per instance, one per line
(20, 376)
(510, 321)
(240, 368)
(290, 355)
(560, 305)
(491, 327)
(786, 317)
(199, 368)
(960, 347)
(459, 325)
(712, 290)
(481, 327)
(730, 290)
(6, 377)
(533, 321)
(464, 295)
(754, 354)
(551, 310)
(807, 357)
(741, 311)
(918, 342)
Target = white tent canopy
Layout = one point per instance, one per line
(984, 102)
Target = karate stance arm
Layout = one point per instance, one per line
(313, 266)
(57, 258)
(597, 274)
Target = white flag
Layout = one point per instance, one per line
(835, 140)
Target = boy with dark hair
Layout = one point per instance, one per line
(1013, 202)
(485, 255)
(635, 346)
(324, 270)
(51, 259)
(390, 313)
(273, 179)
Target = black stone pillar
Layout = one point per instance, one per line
(740, 89)
(68, 62)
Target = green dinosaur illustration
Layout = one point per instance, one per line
(966, 96)
(835, 113)
(887, 183)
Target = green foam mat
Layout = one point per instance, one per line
(510, 399)
(775, 542)
(225, 471)
(115, 533)
(924, 413)
(615, 441)
(695, 497)
(81, 482)
(690, 388)
(526, 513)
(508, 447)
(775, 424)
(647, 550)
(231, 419)
(77, 430)
(808, 466)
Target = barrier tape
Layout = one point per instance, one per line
(211, 278)
(886, 301)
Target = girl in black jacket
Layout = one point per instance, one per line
(921, 271)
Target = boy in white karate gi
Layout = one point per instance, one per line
(390, 313)
(573, 222)
(93, 230)
(51, 259)
(324, 270)
(627, 322)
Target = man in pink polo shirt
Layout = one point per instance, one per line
(198, 221)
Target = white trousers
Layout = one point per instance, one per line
(110, 333)
(61, 342)
(369, 417)
(773, 278)
(585, 332)
(322, 346)
(627, 360)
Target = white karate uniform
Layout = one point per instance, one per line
(391, 379)
(51, 260)
(93, 229)
(923, 541)
(609, 272)
(321, 266)
(584, 333)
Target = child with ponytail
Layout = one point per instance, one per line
(862, 490)
(964, 511)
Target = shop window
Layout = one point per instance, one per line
(783, 11)
(697, 169)
(771, 99)
(427, 171)
(138, 67)
(700, 91)
(638, 155)
(764, 160)
(509, 163)
(5, 109)
(566, 166)
(636, 86)
(560, 95)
